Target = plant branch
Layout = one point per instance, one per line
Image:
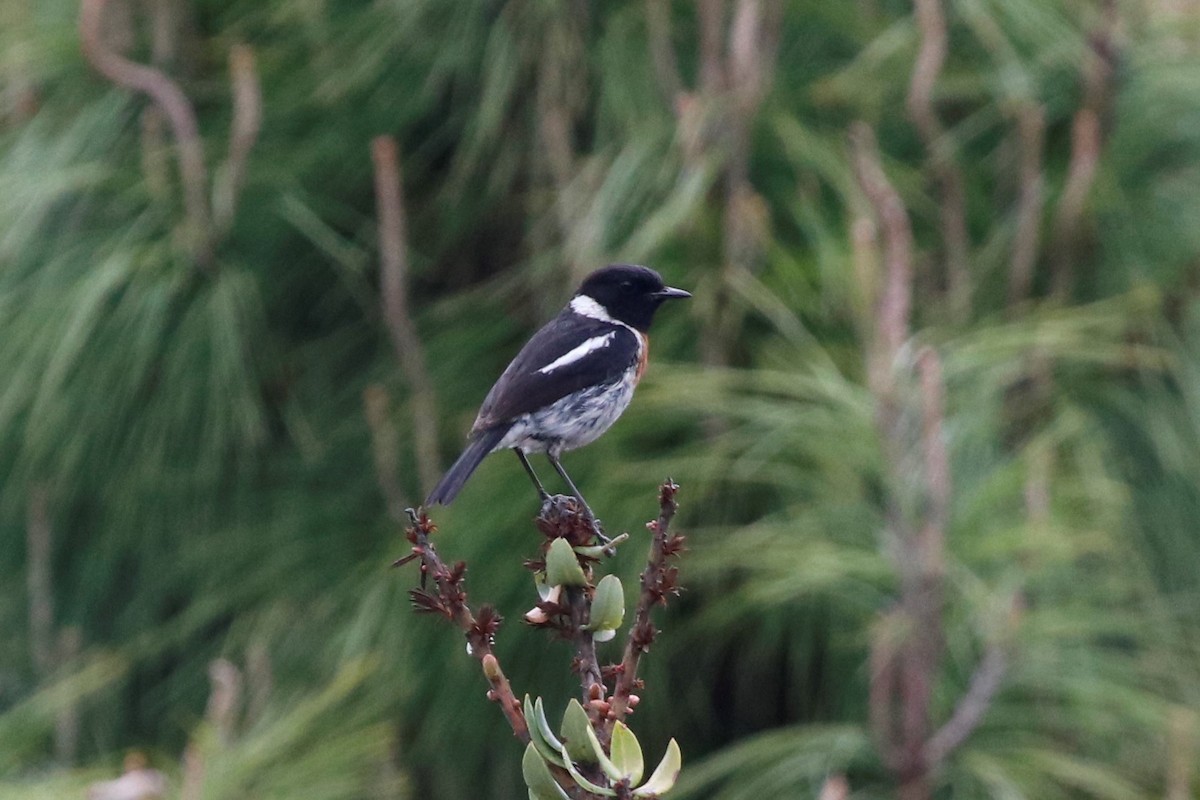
(883, 689)
(892, 307)
(586, 664)
(167, 95)
(1087, 143)
(937, 460)
(247, 122)
(969, 712)
(1081, 173)
(39, 539)
(567, 609)
(393, 256)
(931, 21)
(450, 601)
(659, 580)
(711, 14)
(1031, 134)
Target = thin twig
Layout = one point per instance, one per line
(711, 15)
(969, 712)
(836, 787)
(745, 75)
(931, 21)
(559, 519)
(882, 691)
(164, 31)
(66, 722)
(906, 654)
(450, 601)
(260, 680)
(179, 112)
(895, 299)
(937, 460)
(39, 539)
(247, 122)
(225, 698)
(750, 56)
(1181, 753)
(1086, 144)
(1031, 133)
(922, 580)
(393, 256)
(586, 663)
(658, 580)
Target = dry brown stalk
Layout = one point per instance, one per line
(243, 133)
(39, 539)
(1087, 144)
(1031, 134)
(892, 307)
(567, 614)
(394, 276)
(658, 580)
(908, 646)
(178, 110)
(931, 22)
(450, 601)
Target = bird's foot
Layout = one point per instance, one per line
(585, 524)
(598, 529)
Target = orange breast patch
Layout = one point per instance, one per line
(644, 356)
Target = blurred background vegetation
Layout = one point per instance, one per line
(211, 413)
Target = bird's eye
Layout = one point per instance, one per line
(626, 286)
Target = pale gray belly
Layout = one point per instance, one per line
(574, 421)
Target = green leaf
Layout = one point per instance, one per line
(547, 746)
(608, 605)
(627, 753)
(574, 730)
(562, 567)
(606, 764)
(541, 783)
(600, 550)
(544, 589)
(665, 774)
(587, 784)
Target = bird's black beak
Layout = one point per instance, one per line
(671, 293)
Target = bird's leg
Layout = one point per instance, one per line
(541, 490)
(558, 467)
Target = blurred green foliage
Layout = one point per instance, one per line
(208, 462)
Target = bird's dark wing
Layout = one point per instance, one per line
(571, 352)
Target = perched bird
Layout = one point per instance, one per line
(571, 381)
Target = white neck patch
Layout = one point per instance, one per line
(587, 307)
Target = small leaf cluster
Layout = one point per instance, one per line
(577, 749)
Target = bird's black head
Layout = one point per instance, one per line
(627, 293)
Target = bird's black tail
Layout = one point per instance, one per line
(450, 484)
